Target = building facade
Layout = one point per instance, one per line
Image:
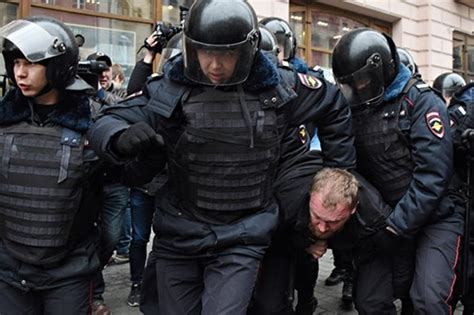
(438, 33)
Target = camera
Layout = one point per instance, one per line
(90, 70)
(164, 32)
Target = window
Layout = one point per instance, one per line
(171, 10)
(319, 27)
(463, 55)
(135, 8)
(116, 38)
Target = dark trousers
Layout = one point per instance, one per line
(208, 286)
(111, 222)
(142, 216)
(307, 269)
(273, 284)
(431, 266)
(74, 298)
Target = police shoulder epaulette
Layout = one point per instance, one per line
(286, 65)
(131, 96)
(154, 76)
(423, 87)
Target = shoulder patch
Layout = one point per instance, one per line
(434, 123)
(309, 81)
(303, 134)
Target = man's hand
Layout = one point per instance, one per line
(318, 249)
(137, 138)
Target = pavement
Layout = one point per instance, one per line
(117, 279)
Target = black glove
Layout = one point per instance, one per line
(385, 241)
(137, 138)
(467, 138)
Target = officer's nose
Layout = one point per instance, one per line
(215, 62)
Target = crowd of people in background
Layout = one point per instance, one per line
(247, 163)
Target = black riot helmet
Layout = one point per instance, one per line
(47, 41)
(284, 35)
(364, 63)
(172, 49)
(220, 30)
(268, 41)
(448, 83)
(407, 59)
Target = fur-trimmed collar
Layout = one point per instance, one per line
(74, 113)
(263, 74)
(398, 84)
(299, 65)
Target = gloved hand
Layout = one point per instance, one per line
(386, 241)
(137, 138)
(467, 138)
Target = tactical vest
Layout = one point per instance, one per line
(41, 173)
(383, 148)
(226, 158)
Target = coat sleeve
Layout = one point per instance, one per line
(432, 154)
(139, 75)
(326, 109)
(113, 120)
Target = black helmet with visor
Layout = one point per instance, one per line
(224, 30)
(284, 35)
(365, 62)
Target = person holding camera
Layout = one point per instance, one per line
(50, 182)
(116, 195)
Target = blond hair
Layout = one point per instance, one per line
(338, 186)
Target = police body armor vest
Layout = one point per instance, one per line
(383, 150)
(215, 165)
(41, 173)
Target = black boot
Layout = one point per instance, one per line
(307, 307)
(336, 277)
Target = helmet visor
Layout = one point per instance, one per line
(218, 65)
(365, 86)
(285, 43)
(35, 43)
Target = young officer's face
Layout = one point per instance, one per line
(218, 65)
(30, 77)
(326, 222)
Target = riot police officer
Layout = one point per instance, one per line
(407, 59)
(461, 113)
(50, 185)
(447, 84)
(404, 149)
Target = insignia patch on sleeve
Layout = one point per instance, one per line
(309, 81)
(433, 120)
(303, 134)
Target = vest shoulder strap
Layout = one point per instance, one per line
(165, 95)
